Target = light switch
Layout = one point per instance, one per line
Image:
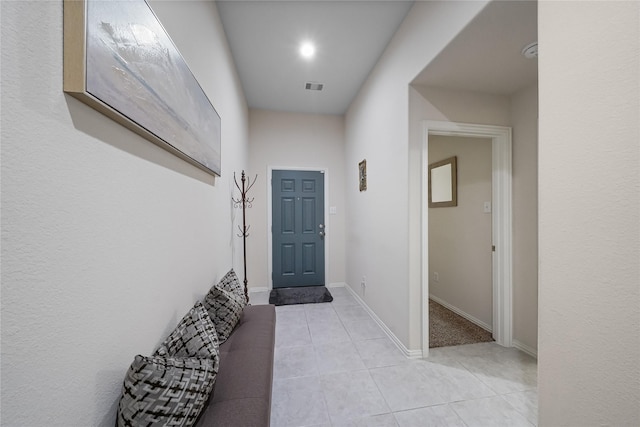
(487, 207)
(333, 210)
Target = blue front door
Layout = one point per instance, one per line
(298, 228)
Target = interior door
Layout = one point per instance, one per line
(298, 228)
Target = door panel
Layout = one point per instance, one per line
(297, 228)
(309, 224)
(309, 258)
(288, 217)
(288, 264)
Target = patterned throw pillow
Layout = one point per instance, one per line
(231, 283)
(225, 309)
(165, 391)
(194, 336)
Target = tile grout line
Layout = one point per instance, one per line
(460, 359)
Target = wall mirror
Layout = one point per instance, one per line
(443, 186)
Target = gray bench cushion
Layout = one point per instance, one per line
(242, 393)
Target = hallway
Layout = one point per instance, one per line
(334, 366)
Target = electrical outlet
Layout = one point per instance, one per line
(436, 277)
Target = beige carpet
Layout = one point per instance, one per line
(446, 328)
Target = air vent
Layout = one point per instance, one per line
(314, 86)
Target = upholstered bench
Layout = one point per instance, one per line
(242, 392)
(214, 369)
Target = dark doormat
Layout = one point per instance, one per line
(300, 295)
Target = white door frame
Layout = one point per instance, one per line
(327, 237)
(501, 184)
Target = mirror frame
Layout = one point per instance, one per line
(454, 183)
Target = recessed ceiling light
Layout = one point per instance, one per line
(307, 50)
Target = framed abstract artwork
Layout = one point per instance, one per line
(119, 60)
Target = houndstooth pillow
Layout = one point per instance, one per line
(194, 336)
(165, 391)
(231, 283)
(225, 308)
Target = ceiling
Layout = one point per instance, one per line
(264, 38)
(350, 36)
(486, 55)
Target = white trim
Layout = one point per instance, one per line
(336, 285)
(424, 241)
(259, 289)
(501, 222)
(525, 348)
(411, 354)
(459, 312)
(327, 218)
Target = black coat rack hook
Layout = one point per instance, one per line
(244, 202)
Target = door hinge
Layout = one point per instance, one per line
(493, 248)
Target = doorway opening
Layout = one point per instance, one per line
(501, 234)
(460, 242)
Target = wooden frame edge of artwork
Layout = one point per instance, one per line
(362, 175)
(75, 78)
(74, 47)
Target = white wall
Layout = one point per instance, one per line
(520, 112)
(589, 215)
(524, 122)
(377, 129)
(292, 140)
(428, 103)
(460, 236)
(107, 240)
(462, 106)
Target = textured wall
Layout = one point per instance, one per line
(280, 139)
(107, 240)
(428, 103)
(589, 217)
(518, 111)
(380, 229)
(524, 122)
(461, 106)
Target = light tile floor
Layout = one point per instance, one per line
(334, 366)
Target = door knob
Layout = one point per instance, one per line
(320, 226)
(321, 234)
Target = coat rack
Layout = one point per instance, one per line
(245, 203)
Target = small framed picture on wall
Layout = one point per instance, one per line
(362, 175)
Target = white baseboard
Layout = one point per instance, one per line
(411, 354)
(459, 312)
(337, 285)
(267, 288)
(525, 348)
